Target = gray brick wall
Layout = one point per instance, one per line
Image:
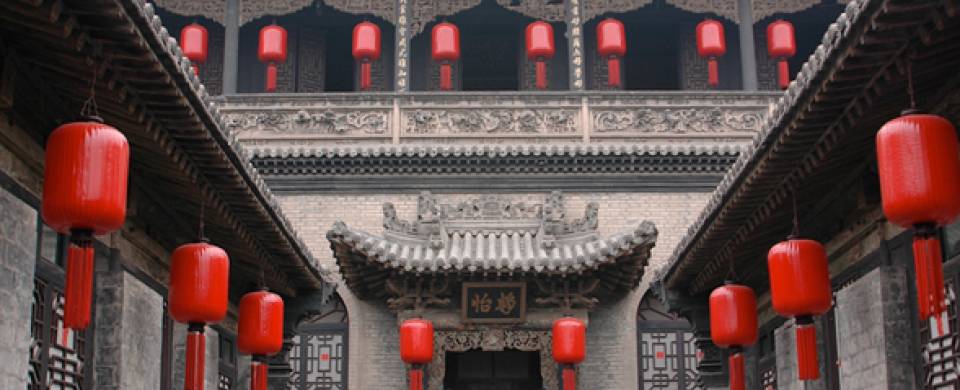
(785, 342)
(871, 321)
(611, 337)
(129, 330)
(18, 243)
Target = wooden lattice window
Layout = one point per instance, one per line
(227, 375)
(319, 352)
(666, 353)
(59, 358)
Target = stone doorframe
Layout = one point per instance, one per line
(493, 339)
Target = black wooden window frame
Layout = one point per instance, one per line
(48, 283)
(227, 374)
(312, 329)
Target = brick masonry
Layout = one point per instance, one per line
(871, 322)
(18, 244)
(129, 330)
(611, 363)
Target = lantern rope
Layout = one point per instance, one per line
(89, 107)
(202, 237)
(795, 233)
(910, 87)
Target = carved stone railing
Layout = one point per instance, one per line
(267, 120)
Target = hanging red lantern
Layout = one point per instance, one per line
(272, 50)
(733, 324)
(446, 49)
(260, 332)
(711, 44)
(920, 188)
(366, 49)
(193, 42)
(569, 348)
(781, 45)
(540, 48)
(84, 194)
(416, 348)
(199, 276)
(612, 44)
(800, 288)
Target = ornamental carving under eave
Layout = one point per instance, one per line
(494, 121)
(551, 12)
(311, 122)
(210, 9)
(688, 120)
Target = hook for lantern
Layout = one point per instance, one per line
(89, 108)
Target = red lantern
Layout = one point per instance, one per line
(733, 324)
(272, 50)
(260, 332)
(800, 288)
(782, 44)
(612, 44)
(710, 45)
(920, 186)
(416, 348)
(84, 194)
(540, 48)
(446, 49)
(366, 49)
(569, 347)
(193, 42)
(199, 275)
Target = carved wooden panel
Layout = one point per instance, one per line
(693, 76)
(541, 10)
(724, 8)
(595, 8)
(383, 9)
(210, 9)
(312, 47)
(253, 9)
(287, 71)
(422, 12)
(766, 8)
(766, 66)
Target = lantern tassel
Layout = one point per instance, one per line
(807, 366)
(446, 76)
(196, 69)
(271, 77)
(78, 291)
(541, 74)
(416, 378)
(736, 370)
(569, 378)
(713, 72)
(783, 73)
(928, 263)
(613, 72)
(196, 352)
(258, 375)
(365, 75)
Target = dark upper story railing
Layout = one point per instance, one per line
(330, 119)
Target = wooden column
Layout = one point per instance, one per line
(748, 56)
(231, 46)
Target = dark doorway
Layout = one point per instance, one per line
(502, 370)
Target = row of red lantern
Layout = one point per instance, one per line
(569, 348)
(540, 47)
(918, 160)
(85, 194)
(781, 45)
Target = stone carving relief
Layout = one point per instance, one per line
(493, 339)
(311, 122)
(679, 120)
(490, 121)
(210, 9)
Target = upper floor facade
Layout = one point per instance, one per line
(664, 92)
